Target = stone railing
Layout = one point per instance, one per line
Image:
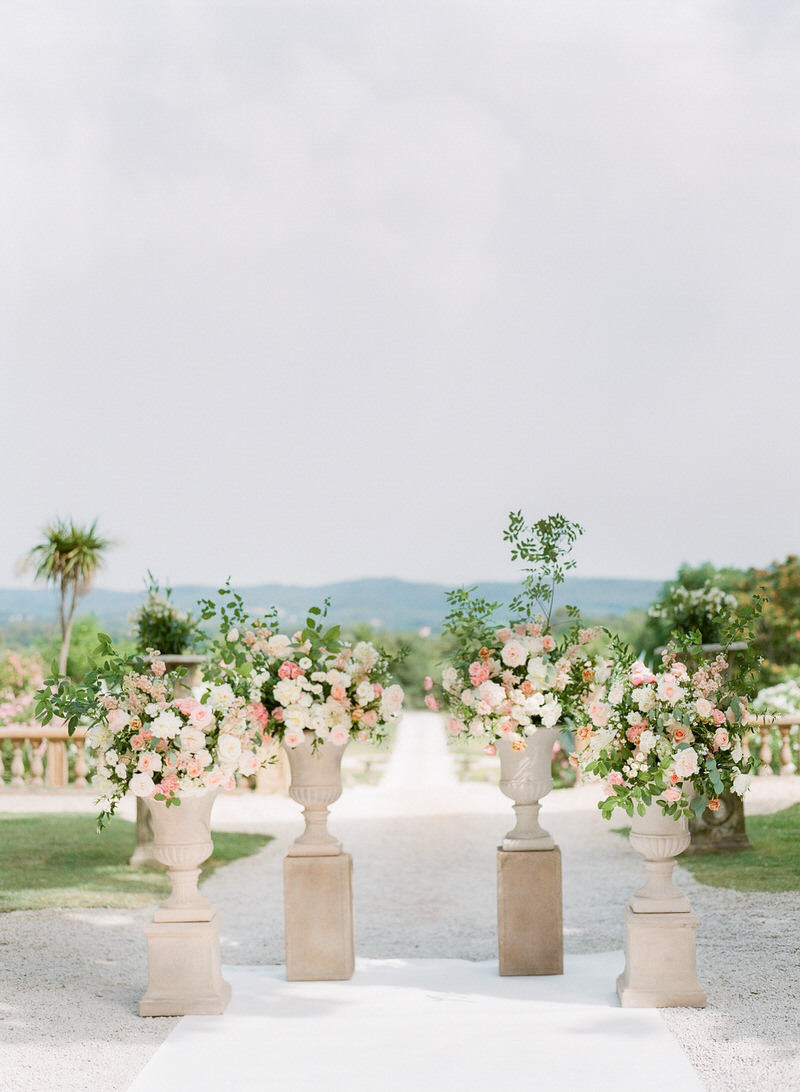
(39, 757)
(775, 733)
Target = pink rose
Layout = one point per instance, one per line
(256, 712)
(721, 739)
(615, 778)
(169, 784)
(428, 684)
(193, 767)
(513, 654)
(454, 726)
(370, 718)
(138, 742)
(672, 795)
(478, 673)
(717, 718)
(201, 717)
(503, 635)
(599, 713)
(339, 735)
(431, 702)
(490, 749)
(277, 714)
(214, 778)
(338, 692)
(186, 705)
(548, 644)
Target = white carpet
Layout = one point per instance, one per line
(423, 1025)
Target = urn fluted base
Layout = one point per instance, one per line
(659, 838)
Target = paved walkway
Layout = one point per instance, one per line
(424, 891)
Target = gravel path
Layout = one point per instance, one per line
(425, 869)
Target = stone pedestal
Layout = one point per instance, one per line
(660, 962)
(318, 909)
(529, 914)
(184, 969)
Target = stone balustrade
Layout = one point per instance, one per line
(773, 733)
(39, 757)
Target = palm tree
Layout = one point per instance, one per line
(69, 557)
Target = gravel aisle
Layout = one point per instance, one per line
(424, 887)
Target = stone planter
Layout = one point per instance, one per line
(184, 966)
(525, 777)
(316, 773)
(659, 838)
(660, 928)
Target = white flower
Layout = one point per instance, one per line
(513, 654)
(229, 748)
(142, 784)
(741, 783)
(468, 697)
(221, 697)
(111, 757)
(550, 714)
(392, 702)
(647, 741)
(645, 698)
(736, 751)
(293, 737)
(449, 678)
(537, 671)
(491, 694)
(365, 692)
(232, 635)
(248, 763)
(192, 739)
(685, 763)
(121, 770)
(151, 709)
(339, 735)
(295, 718)
(102, 784)
(287, 692)
(278, 646)
(167, 724)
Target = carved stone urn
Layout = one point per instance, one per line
(316, 771)
(659, 838)
(181, 842)
(525, 777)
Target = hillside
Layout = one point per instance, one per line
(385, 603)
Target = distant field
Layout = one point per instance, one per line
(385, 604)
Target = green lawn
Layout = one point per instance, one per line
(60, 860)
(773, 864)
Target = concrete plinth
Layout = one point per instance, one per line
(184, 970)
(529, 913)
(318, 910)
(660, 962)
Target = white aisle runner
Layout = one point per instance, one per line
(423, 1026)
(420, 757)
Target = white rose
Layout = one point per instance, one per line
(645, 699)
(167, 724)
(550, 714)
(537, 671)
(449, 678)
(391, 701)
(192, 739)
(229, 747)
(513, 654)
(142, 784)
(365, 692)
(248, 763)
(492, 694)
(741, 783)
(685, 763)
(287, 692)
(468, 697)
(295, 718)
(221, 697)
(102, 784)
(339, 735)
(232, 635)
(647, 741)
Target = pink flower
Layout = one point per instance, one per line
(679, 670)
(201, 717)
(717, 718)
(490, 749)
(256, 712)
(513, 654)
(214, 778)
(721, 739)
(194, 767)
(138, 742)
(186, 705)
(370, 719)
(338, 692)
(158, 667)
(616, 778)
(632, 734)
(503, 635)
(428, 684)
(289, 670)
(277, 714)
(431, 702)
(673, 795)
(339, 735)
(548, 644)
(599, 713)
(454, 726)
(478, 673)
(169, 784)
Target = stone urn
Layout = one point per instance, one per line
(181, 842)
(525, 777)
(315, 766)
(659, 838)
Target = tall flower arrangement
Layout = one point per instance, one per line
(148, 740)
(673, 735)
(507, 682)
(309, 681)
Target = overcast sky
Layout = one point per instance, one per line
(310, 291)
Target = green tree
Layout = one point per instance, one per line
(68, 557)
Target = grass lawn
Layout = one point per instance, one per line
(773, 864)
(59, 860)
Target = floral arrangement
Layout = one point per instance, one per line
(674, 735)
(781, 700)
(150, 736)
(158, 623)
(506, 683)
(310, 681)
(704, 611)
(20, 678)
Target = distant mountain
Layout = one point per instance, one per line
(384, 603)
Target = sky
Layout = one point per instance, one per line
(309, 291)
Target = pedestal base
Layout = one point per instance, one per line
(318, 910)
(660, 962)
(529, 914)
(185, 971)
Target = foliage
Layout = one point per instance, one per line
(85, 634)
(56, 860)
(311, 680)
(506, 683)
(674, 735)
(781, 700)
(159, 624)
(151, 737)
(773, 864)
(68, 557)
(777, 631)
(20, 679)
(413, 655)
